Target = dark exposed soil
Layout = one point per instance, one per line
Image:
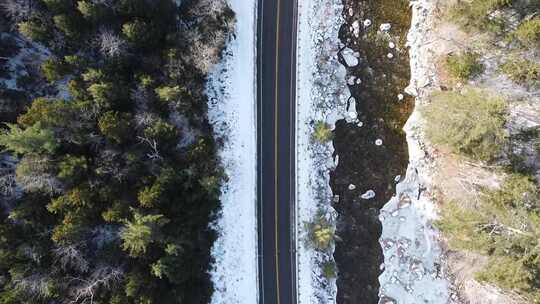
(361, 162)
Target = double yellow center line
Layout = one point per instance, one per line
(276, 109)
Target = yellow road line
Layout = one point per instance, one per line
(276, 150)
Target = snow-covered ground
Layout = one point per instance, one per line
(322, 95)
(232, 112)
(413, 262)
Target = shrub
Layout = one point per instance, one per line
(528, 32)
(464, 66)
(33, 30)
(54, 69)
(322, 132)
(102, 93)
(469, 122)
(168, 94)
(522, 71)
(505, 226)
(329, 269)
(89, 10)
(57, 5)
(115, 126)
(140, 232)
(34, 139)
(321, 232)
(137, 31)
(475, 14)
(67, 25)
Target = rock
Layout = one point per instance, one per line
(385, 27)
(368, 195)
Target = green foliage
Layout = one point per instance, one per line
(150, 196)
(329, 269)
(322, 132)
(115, 126)
(522, 71)
(104, 184)
(469, 122)
(137, 31)
(168, 93)
(464, 66)
(162, 132)
(102, 93)
(321, 232)
(90, 10)
(34, 139)
(528, 32)
(93, 75)
(140, 232)
(68, 25)
(73, 199)
(33, 30)
(475, 14)
(54, 69)
(58, 5)
(72, 168)
(505, 226)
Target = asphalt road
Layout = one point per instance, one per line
(276, 74)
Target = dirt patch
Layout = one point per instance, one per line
(463, 266)
(456, 178)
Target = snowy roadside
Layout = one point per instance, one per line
(413, 260)
(322, 95)
(232, 112)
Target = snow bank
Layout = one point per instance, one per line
(322, 95)
(413, 266)
(232, 112)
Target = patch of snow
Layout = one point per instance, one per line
(367, 23)
(351, 59)
(322, 95)
(385, 27)
(368, 195)
(232, 112)
(30, 54)
(356, 28)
